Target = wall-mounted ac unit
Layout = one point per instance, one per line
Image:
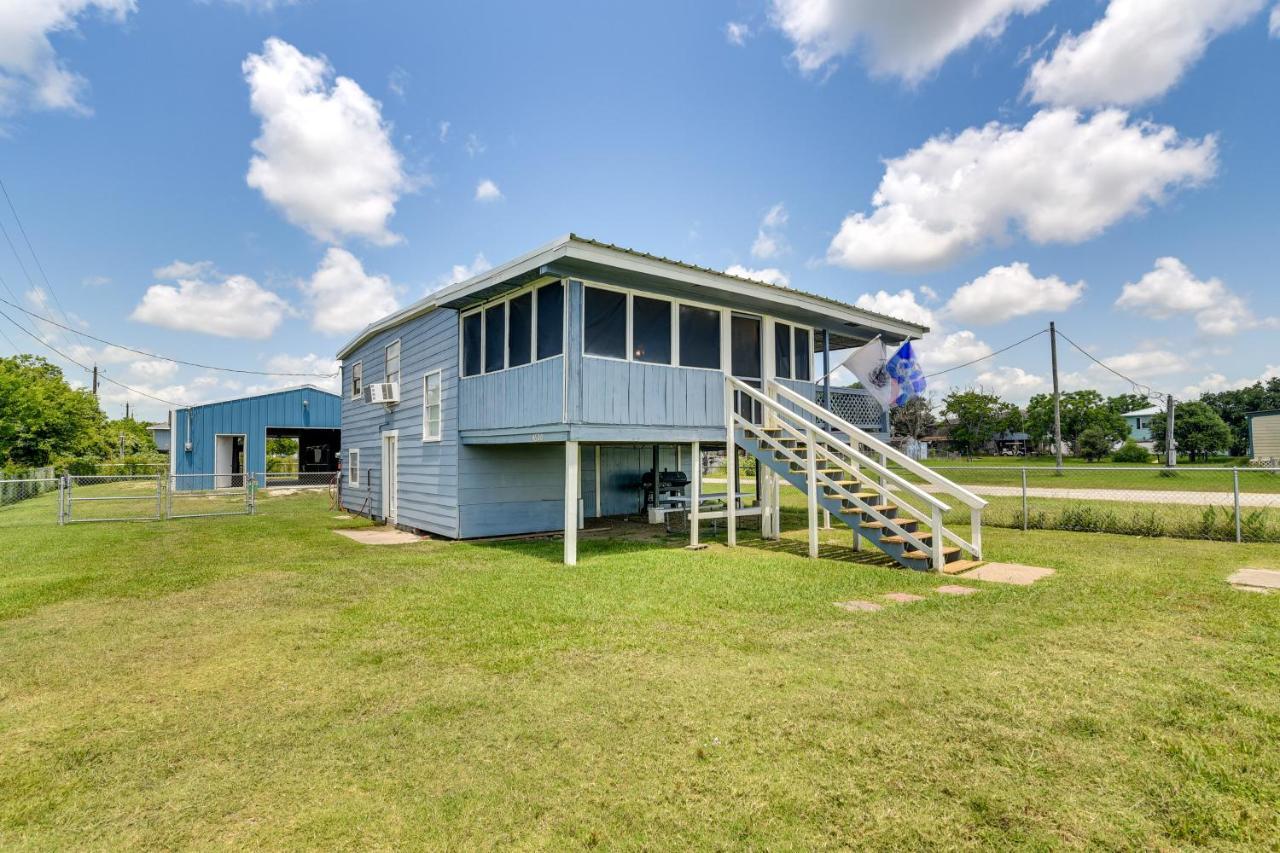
(382, 392)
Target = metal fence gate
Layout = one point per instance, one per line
(111, 497)
(205, 495)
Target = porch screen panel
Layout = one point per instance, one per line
(804, 355)
(520, 330)
(699, 337)
(495, 339)
(744, 346)
(550, 320)
(605, 328)
(471, 345)
(651, 330)
(782, 350)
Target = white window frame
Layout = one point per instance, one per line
(353, 466)
(427, 436)
(504, 301)
(386, 359)
(357, 378)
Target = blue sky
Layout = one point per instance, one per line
(848, 147)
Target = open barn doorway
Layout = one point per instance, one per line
(302, 457)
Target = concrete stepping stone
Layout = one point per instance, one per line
(380, 536)
(1014, 573)
(1255, 580)
(903, 597)
(859, 606)
(953, 589)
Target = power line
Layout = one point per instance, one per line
(162, 357)
(83, 367)
(32, 249)
(985, 357)
(1142, 387)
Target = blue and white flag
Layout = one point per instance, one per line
(905, 374)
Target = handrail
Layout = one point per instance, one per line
(966, 497)
(841, 446)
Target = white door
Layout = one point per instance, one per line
(390, 472)
(223, 453)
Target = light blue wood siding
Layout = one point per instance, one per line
(510, 488)
(428, 488)
(528, 396)
(634, 394)
(249, 416)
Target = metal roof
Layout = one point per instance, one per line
(1150, 410)
(572, 255)
(290, 389)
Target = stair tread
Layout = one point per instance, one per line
(921, 555)
(901, 540)
(961, 566)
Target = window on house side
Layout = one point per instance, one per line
(393, 362)
(520, 330)
(782, 350)
(550, 320)
(699, 337)
(431, 406)
(804, 356)
(353, 467)
(471, 333)
(495, 339)
(605, 323)
(651, 330)
(357, 379)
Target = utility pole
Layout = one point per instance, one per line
(126, 411)
(95, 380)
(1170, 446)
(1057, 411)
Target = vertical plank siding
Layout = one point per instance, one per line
(532, 395)
(428, 487)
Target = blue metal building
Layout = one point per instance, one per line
(216, 444)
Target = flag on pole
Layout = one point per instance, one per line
(868, 363)
(905, 375)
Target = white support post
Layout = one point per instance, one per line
(826, 519)
(572, 476)
(730, 470)
(811, 467)
(695, 497)
(935, 540)
(975, 531)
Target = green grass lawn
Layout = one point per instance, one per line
(261, 682)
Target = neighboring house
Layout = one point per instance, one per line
(216, 444)
(542, 392)
(1139, 423)
(1016, 443)
(160, 435)
(1264, 436)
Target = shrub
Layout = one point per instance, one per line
(1093, 444)
(1132, 452)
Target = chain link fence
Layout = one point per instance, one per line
(1189, 501)
(28, 500)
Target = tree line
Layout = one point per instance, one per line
(44, 421)
(1092, 426)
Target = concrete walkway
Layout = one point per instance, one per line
(1144, 496)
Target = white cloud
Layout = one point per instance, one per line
(769, 242)
(324, 156)
(1138, 50)
(343, 297)
(31, 74)
(487, 190)
(906, 38)
(398, 81)
(1171, 289)
(929, 294)
(1012, 383)
(462, 272)
(203, 300)
(1215, 382)
(309, 363)
(902, 305)
(95, 280)
(473, 146)
(1060, 178)
(444, 130)
(769, 275)
(737, 33)
(1146, 364)
(1011, 291)
(260, 5)
(939, 352)
(1273, 25)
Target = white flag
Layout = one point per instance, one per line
(868, 364)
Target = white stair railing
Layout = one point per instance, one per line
(888, 486)
(939, 483)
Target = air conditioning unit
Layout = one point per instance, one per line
(382, 392)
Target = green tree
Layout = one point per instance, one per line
(1079, 410)
(1198, 431)
(1093, 443)
(1122, 403)
(1132, 452)
(975, 417)
(42, 417)
(913, 420)
(1232, 406)
(282, 446)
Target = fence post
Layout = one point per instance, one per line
(1235, 483)
(1024, 498)
(62, 499)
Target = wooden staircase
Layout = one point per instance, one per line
(846, 472)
